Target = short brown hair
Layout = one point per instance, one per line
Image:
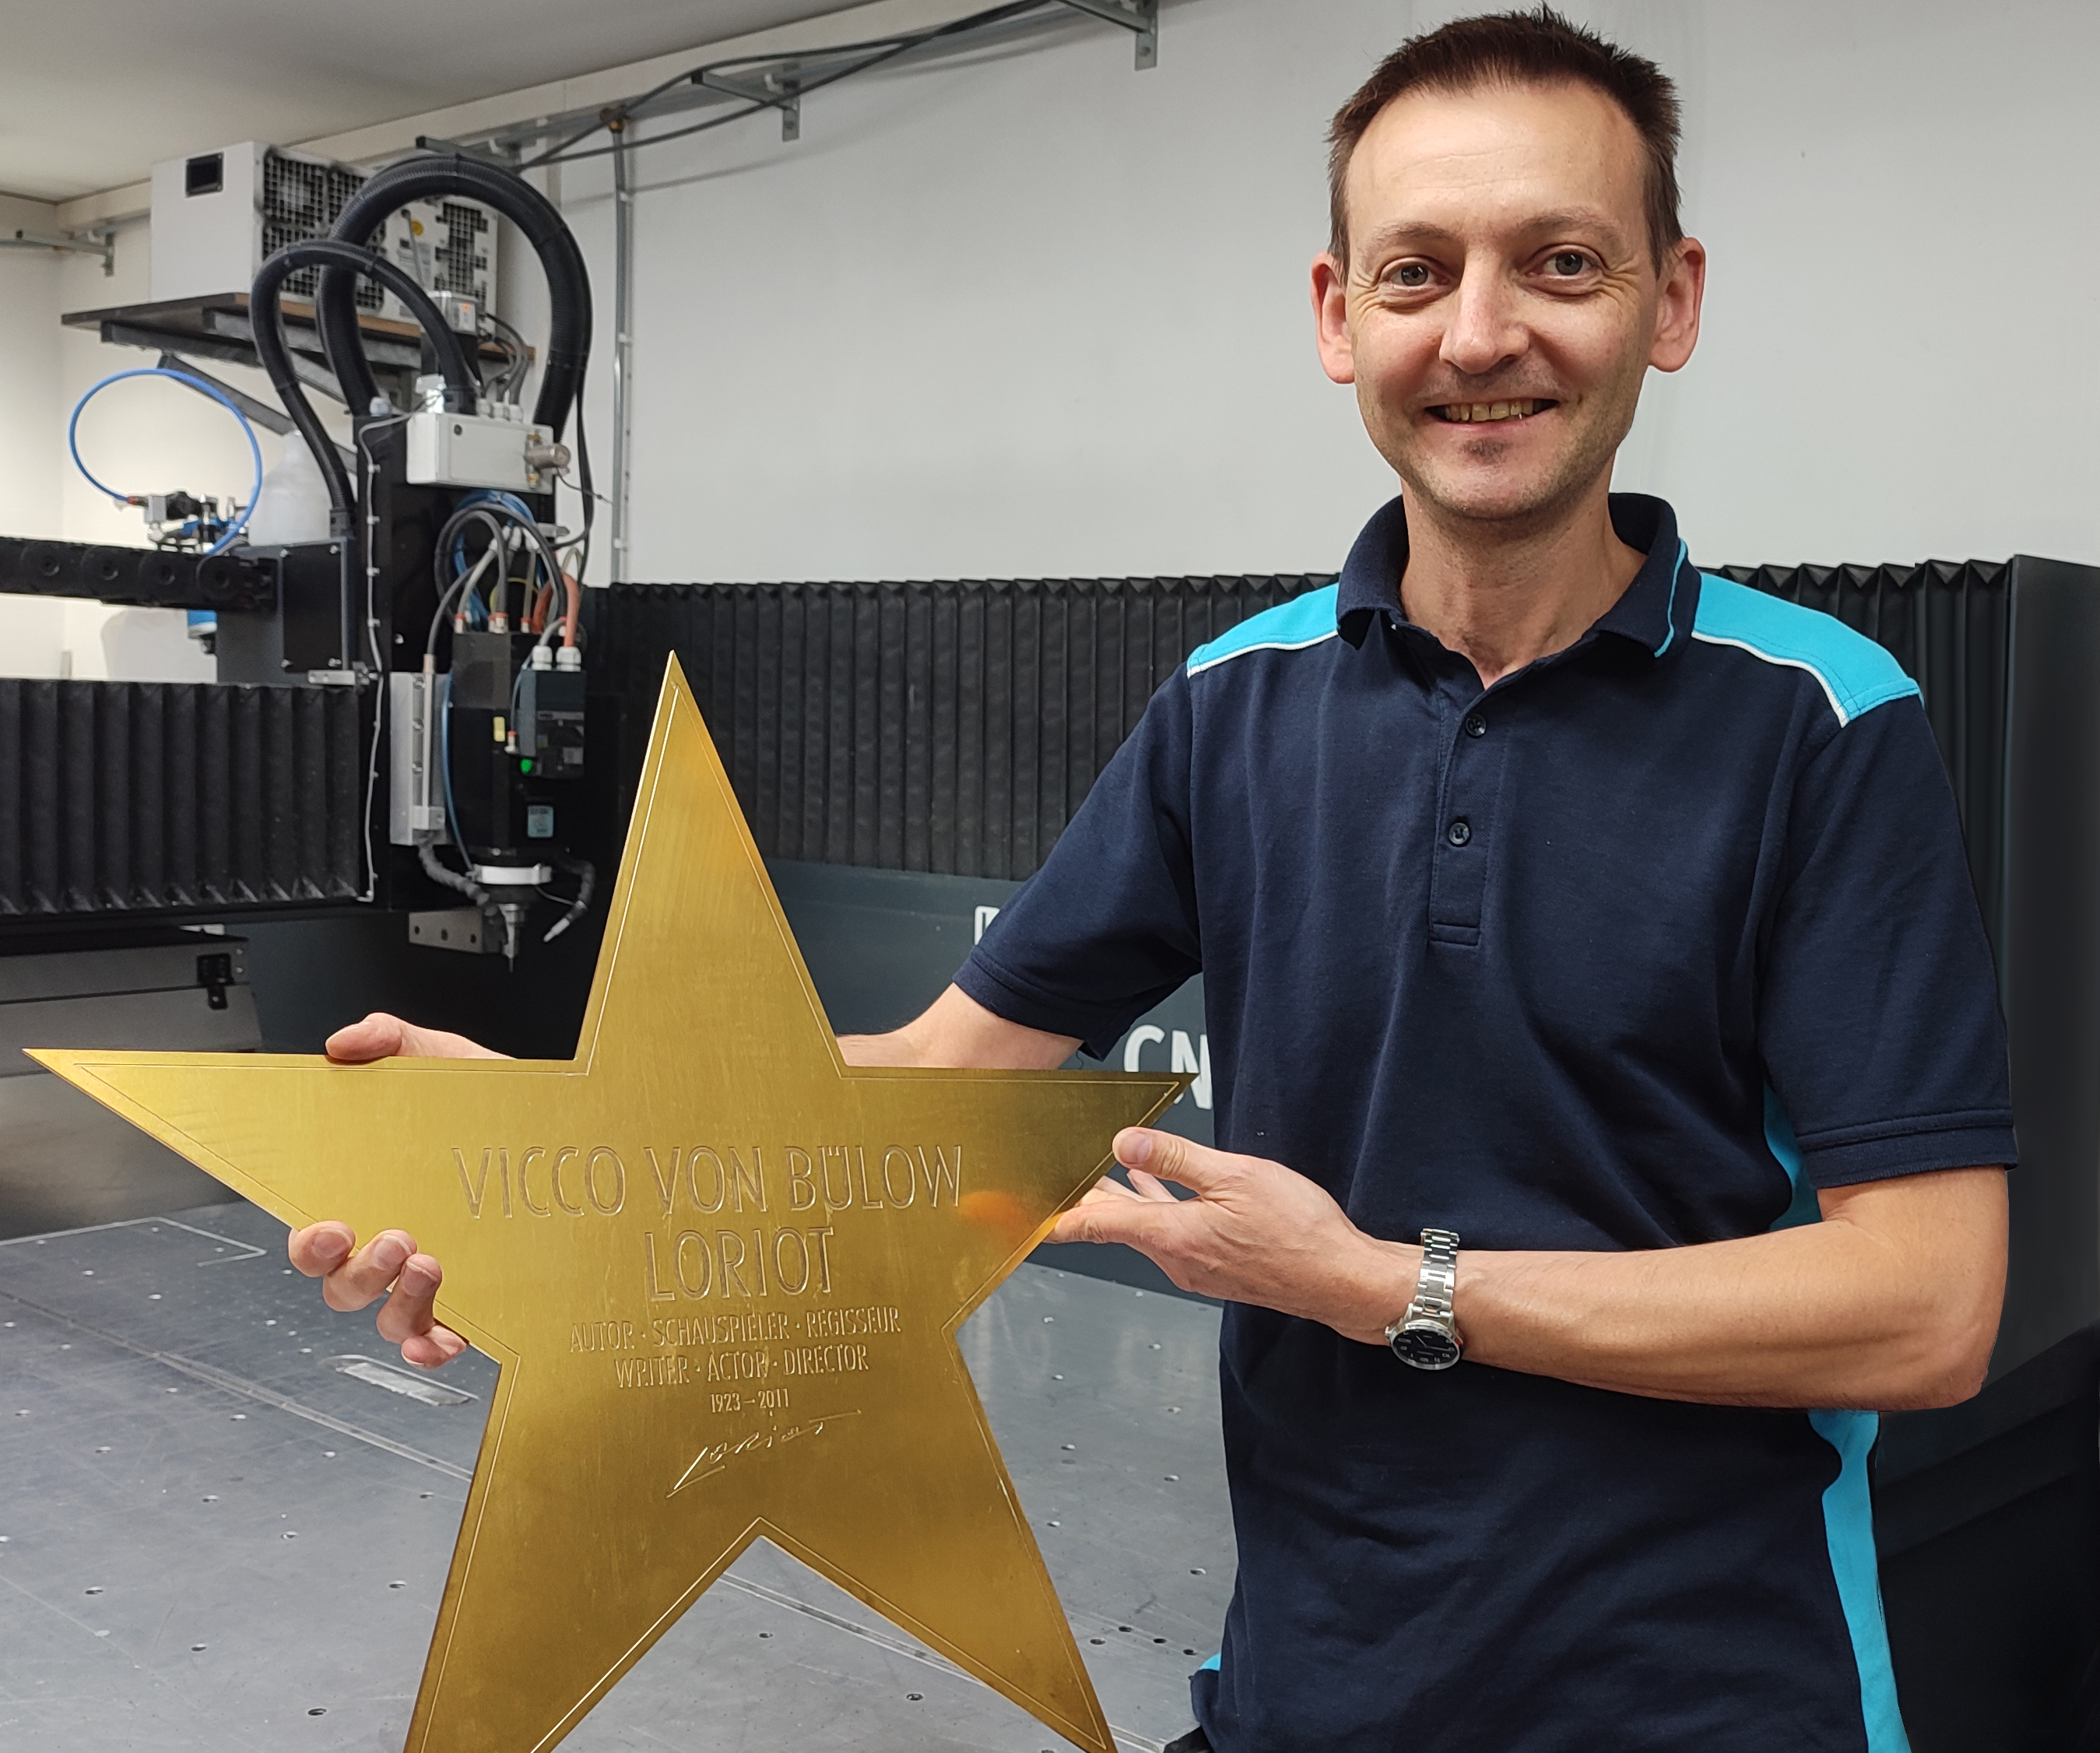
(1520, 48)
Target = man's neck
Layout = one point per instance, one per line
(1503, 598)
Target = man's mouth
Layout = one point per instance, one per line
(1476, 413)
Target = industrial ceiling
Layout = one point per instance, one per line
(93, 91)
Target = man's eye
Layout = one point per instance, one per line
(1568, 263)
(1412, 275)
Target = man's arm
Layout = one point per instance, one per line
(1891, 1302)
(956, 1033)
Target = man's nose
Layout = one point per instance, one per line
(1482, 330)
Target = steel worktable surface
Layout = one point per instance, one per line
(228, 1512)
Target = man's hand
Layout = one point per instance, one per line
(388, 1266)
(1256, 1232)
(380, 1036)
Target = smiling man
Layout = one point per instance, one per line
(1611, 1090)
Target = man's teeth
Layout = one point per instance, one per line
(1470, 411)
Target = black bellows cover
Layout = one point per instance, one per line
(952, 727)
(955, 727)
(138, 797)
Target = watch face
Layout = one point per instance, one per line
(1426, 1346)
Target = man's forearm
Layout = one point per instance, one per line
(1892, 1302)
(955, 1032)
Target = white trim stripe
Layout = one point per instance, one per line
(1829, 693)
(1267, 645)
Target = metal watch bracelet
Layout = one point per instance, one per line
(1427, 1336)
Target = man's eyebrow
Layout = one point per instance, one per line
(1562, 222)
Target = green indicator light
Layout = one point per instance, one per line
(525, 765)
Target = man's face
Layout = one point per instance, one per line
(1501, 307)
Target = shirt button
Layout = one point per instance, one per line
(1476, 725)
(1459, 831)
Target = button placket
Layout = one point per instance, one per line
(1459, 858)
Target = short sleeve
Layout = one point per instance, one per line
(1107, 929)
(1878, 1013)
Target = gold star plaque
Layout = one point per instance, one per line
(722, 1273)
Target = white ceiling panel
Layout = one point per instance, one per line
(92, 92)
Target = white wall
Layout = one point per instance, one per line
(1035, 314)
(145, 435)
(31, 630)
(1044, 316)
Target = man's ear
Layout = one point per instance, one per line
(1677, 310)
(1331, 318)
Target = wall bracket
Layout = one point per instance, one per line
(96, 243)
(779, 85)
(1139, 17)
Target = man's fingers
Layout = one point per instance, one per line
(1149, 1186)
(382, 1037)
(1170, 1157)
(378, 1036)
(1106, 1188)
(319, 1248)
(1135, 1222)
(367, 1273)
(431, 1350)
(406, 1313)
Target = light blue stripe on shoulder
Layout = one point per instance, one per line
(1857, 675)
(1848, 1513)
(1290, 626)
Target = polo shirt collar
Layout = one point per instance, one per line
(1655, 611)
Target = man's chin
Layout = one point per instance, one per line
(1492, 497)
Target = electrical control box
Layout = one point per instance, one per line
(551, 724)
(218, 216)
(485, 449)
(514, 739)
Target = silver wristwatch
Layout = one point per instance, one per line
(1426, 1335)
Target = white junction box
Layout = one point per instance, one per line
(485, 449)
(218, 216)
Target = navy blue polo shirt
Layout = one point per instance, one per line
(1638, 947)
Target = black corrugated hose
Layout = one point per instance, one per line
(332, 255)
(432, 177)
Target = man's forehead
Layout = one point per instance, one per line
(1499, 157)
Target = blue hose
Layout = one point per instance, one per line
(476, 614)
(254, 450)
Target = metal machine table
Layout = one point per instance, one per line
(229, 1512)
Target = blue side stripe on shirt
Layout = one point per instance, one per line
(1857, 675)
(1290, 626)
(1848, 1517)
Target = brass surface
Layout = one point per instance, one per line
(722, 1270)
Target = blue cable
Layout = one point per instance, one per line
(476, 614)
(202, 388)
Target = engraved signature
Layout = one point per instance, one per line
(716, 1457)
